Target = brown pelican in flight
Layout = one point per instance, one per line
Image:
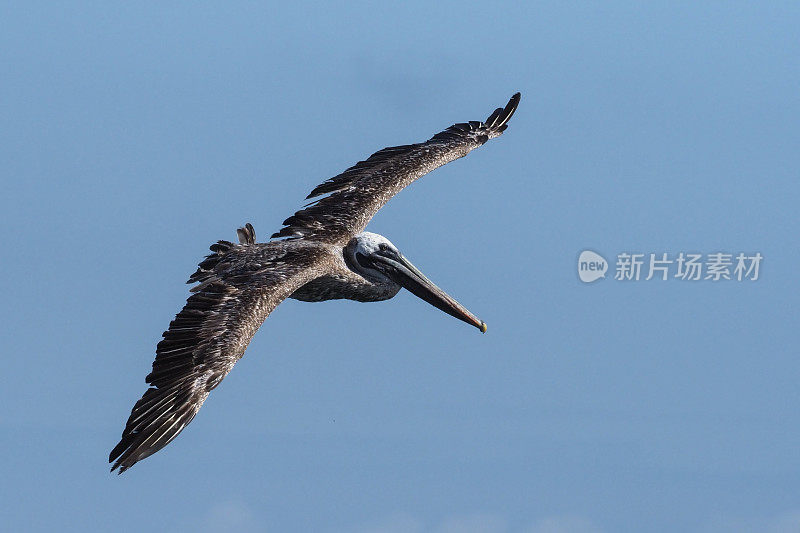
(322, 253)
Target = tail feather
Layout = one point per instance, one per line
(247, 234)
(205, 270)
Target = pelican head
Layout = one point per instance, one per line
(375, 258)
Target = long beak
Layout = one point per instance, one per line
(401, 271)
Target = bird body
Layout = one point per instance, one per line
(324, 254)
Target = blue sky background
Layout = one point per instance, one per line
(133, 136)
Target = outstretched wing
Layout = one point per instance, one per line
(355, 195)
(239, 285)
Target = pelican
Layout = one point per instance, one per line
(321, 253)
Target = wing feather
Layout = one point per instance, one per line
(355, 195)
(239, 286)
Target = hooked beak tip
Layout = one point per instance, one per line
(483, 327)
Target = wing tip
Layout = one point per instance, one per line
(499, 118)
(137, 446)
(116, 457)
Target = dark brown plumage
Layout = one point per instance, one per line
(238, 285)
(360, 191)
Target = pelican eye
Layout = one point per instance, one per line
(384, 250)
